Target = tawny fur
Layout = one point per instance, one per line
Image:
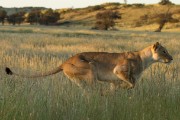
(119, 69)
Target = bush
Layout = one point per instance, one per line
(165, 2)
(105, 19)
(138, 5)
(112, 4)
(95, 8)
(3, 15)
(16, 18)
(49, 17)
(34, 17)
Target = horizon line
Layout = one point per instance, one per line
(79, 7)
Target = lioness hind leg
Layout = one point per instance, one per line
(82, 77)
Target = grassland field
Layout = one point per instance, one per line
(32, 49)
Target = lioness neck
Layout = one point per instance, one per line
(146, 56)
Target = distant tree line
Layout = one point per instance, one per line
(45, 17)
(105, 19)
(16, 18)
(3, 15)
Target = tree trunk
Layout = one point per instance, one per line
(161, 25)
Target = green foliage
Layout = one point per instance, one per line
(112, 4)
(95, 8)
(49, 17)
(34, 17)
(3, 15)
(138, 5)
(165, 2)
(16, 18)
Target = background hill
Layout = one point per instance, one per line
(25, 9)
(131, 15)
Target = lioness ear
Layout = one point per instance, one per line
(156, 45)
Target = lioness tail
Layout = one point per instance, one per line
(54, 71)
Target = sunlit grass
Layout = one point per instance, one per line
(29, 50)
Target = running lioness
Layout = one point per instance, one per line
(119, 69)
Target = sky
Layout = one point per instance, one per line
(55, 4)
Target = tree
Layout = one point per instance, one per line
(16, 18)
(34, 17)
(3, 15)
(165, 2)
(11, 19)
(163, 18)
(20, 17)
(160, 18)
(105, 19)
(49, 17)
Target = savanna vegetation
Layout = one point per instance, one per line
(31, 49)
(156, 17)
(106, 19)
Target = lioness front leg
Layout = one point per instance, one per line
(124, 74)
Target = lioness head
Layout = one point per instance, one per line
(160, 53)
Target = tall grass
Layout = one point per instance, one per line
(29, 50)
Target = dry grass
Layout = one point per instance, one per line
(130, 16)
(29, 50)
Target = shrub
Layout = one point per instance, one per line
(49, 17)
(138, 5)
(3, 15)
(16, 18)
(165, 2)
(34, 17)
(95, 8)
(106, 19)
(112, 4)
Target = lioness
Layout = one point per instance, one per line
(119, 69)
